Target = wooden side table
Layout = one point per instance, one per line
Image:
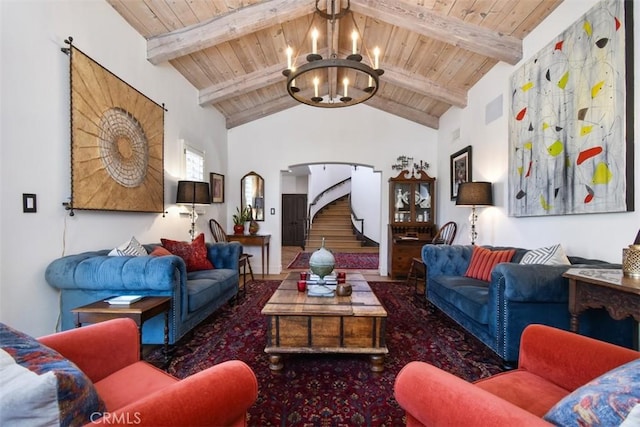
(608, 288)
(262, 240)
(140, 311)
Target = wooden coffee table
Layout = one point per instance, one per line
(298, 323)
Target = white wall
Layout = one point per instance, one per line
(35, 147)
(303, 134)
(595, 236)
(366, 202)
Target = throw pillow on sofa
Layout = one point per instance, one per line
(605, 401)
(130, 248)
(194, 254)
(39, 382)
(550, 255)
(483, 260)
(160, 251)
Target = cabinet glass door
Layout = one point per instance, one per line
(422, 200)
(402, 203)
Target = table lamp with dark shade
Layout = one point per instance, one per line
(193, 193)
(474, 194)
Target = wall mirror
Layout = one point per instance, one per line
(252, 195)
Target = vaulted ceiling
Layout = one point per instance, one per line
(432, 51)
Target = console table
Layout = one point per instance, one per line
(262, 240)
(608, 288)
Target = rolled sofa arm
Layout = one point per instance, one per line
(433, 397)
(98, 271)
(532, 282)
(217, 396)
(91, 348)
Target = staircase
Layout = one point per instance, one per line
(333, 223)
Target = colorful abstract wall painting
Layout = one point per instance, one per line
(571, 119)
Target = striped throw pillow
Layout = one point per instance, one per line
(483, 260)
(551, 255)
(130, 248)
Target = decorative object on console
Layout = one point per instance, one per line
(404, 162)
(193, 193)
(320, 78)
(474, 194)
(117, 141)
(239, 219)
(571, 120)
(631, 261)
(254, 227)
(322, 263)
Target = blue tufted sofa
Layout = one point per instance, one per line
(497, 312)
(91, 276)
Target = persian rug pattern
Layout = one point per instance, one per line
(332, 390)
(355, 261)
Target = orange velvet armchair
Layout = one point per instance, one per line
(552, 363)
(137, 393)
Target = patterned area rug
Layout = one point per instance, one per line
(331, 390)
(356, 261)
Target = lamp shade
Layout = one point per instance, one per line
(193, 192)
(474, 194)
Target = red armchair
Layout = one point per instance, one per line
(136, 392)
(552, 363)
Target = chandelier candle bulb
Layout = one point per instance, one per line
(314, 42)
(376, 58)
(354, 48)
(316, 82)
(289, 54)
(346, 85)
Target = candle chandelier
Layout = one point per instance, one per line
(332, 82)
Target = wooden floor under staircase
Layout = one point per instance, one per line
(333, 222)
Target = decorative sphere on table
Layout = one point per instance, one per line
(322, 263)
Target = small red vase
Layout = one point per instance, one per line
(238, 229)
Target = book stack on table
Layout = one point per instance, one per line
(124, 299)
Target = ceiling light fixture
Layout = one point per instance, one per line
(319, 81)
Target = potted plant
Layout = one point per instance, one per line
(239, 219)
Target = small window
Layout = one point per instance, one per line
(193, 164)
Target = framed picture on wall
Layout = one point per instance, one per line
(216, 181)
(460, 169)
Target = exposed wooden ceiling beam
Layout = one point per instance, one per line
(261, 110)
(424, 86)
(444, 28)
(258, 79)
(224, 28)
(383, 104)
(240, 85)
(403, 111)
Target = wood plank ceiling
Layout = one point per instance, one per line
(432, 51)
